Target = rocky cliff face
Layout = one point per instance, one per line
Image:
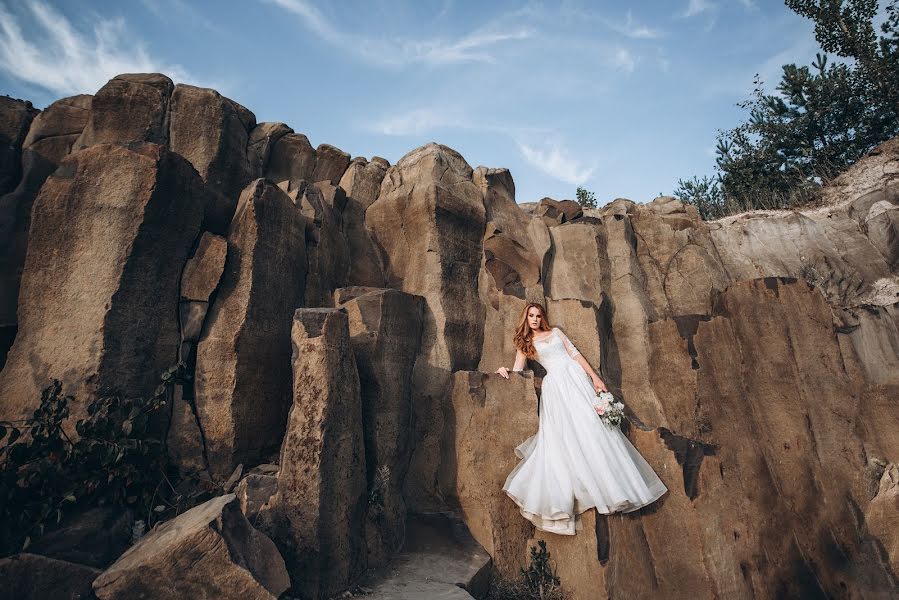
(758, 355)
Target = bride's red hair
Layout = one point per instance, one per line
(524, 336)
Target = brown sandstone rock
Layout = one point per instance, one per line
(184, 440)
(95, 537)
(317, 516)
(110, 233)
(243, 358)
(882, 515)
(327, 251)
(33, 577)
(15, 120)
(211, 132)
(129, 108)
(49, 139)
(261, 141)
(211, 551)
(330, 164)
(292, 159)
(362, 183)
(429, 220)
(491, 417)
(385, 332)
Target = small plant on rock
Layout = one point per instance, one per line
(47, 472)
(538, 581)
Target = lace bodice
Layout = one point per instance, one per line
(555, 349)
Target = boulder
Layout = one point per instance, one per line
(210, 551)
(211, 132)
(110, 233)
(317, 516)
(327, 251)
(198, 282)
(429, 221)
(362, 184)
(385, 332)
(242, 383)
(559, 211)
(882, 515)
(254, 492)
(292, 158)
(15, 120)
(184, 440)
(33, 577)
(130, 108)
(95, 537)
(49, 139)
(492, 416)
(330, 164)
(261, 141)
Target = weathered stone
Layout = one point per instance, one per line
(292, 159)
(15, 120)
(204, 269)
(261, 141)
(33, 577)
(243, 359)
(129, 108)
(362, 180)
(211, 551)
(492, 416)
(95, 537)
(385, 332)
(317, 516)
(882, 515)
(882, 228)
(110, 233)
(330, 164)
(211, 132)
(362, 184)
(429, 220)
(254, 492)
(327, 252)
(563, 210)
(184, 442)
(49, 139)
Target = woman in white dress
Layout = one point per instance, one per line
(575, 461)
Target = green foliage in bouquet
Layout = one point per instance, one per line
(47, 472)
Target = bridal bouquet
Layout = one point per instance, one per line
(610, 410)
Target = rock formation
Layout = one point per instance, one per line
(243, 359)
(317, 515)
(211, 551)
(758, 355)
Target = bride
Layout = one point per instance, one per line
(575, 461)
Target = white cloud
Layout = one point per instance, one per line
(631, 29)
(418, 121)
(469, 48)
(697, 7)
(749, 4)
(556, 162)
(67, 61)
(622, 59)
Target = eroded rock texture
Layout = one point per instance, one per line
(210, 551)
(385, 333)
(317, 516)
(429, 221)
(110, 233)
(49, 138)
(758, 354)
(243, 381)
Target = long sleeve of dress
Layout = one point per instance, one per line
(569, 347)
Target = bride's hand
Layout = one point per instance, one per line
(599, 386)
(503, 371)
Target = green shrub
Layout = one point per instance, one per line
(114, 456)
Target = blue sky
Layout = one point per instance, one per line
(622, 98)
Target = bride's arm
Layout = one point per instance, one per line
(520, 362)
(598, 383)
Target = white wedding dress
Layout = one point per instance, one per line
(575, 461)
